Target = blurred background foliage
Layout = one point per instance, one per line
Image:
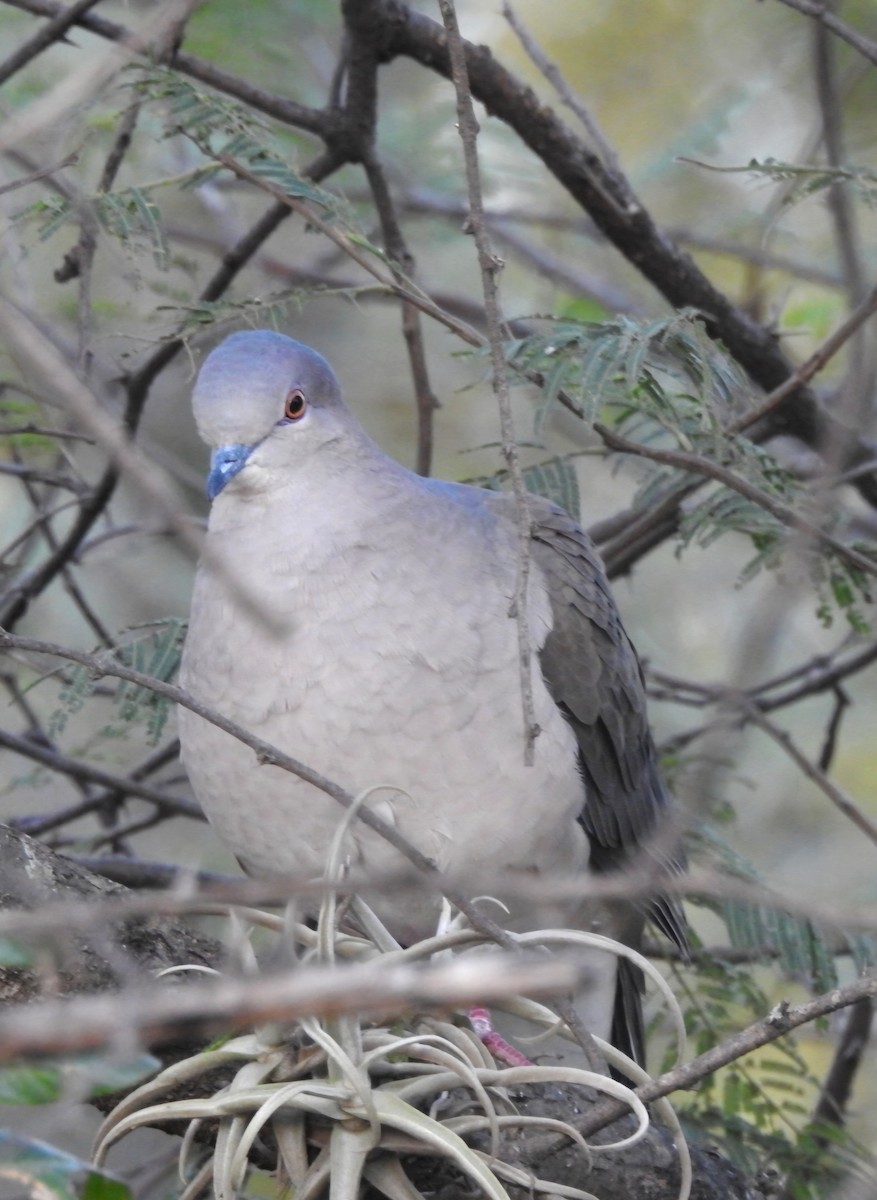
(688, 94)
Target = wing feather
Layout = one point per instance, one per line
(592, 671)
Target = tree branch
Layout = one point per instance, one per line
(696, 464)
(490, 266)
(624, 221)
(170, 805)
(819, 11)
(782, 1020)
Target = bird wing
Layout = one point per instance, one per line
(592, 671)
(593, 674)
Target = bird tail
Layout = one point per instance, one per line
(628, 1032)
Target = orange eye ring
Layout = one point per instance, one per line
(295, 406)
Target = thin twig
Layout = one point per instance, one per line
(565, 156)
(709, 469)
(137, 387)
(53, 31)
(839, 198)
(44, 523)
(819, 680)
(44, 364)
(818, 674)
(409, 291)
(782, 1020)
(358, 66)
(77, 262)
(647, 529)
(313, 279)
(835, 794)
(38, 174)
(812, 366)
(26, 473)
(573, 102)
(504, 218)
(310, 119)
(819, 11)
(398, 253)
(75, 768)
(829, 745)
(490, 266)
(76, 89)
(835, 1095)
(57, 435)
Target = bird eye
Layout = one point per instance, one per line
(295, 406)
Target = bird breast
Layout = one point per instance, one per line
(384, 664)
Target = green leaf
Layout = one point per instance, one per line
(29, 1085)
(557, 481)
(104, 1187)
(91, 1075)
(37, 1168)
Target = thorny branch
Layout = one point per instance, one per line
(497, 331)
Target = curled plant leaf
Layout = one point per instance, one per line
(365, 1093)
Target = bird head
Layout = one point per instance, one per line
(263, 402)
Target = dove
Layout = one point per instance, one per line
(391, 657)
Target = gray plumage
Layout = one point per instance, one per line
(398, 664)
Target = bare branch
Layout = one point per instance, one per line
(698, 465)
(408, 292)
(819, 11)
(52, 31)
(43, 364)
(361, 109)
(628, 226)
(490, 266)
(821, 678)
(398, 252)
(137, 388)
(818, 674)
(834, 1098)
(839, 798)
(169, 804)
(573, 102)
(25, 125)
(38, 475)
(158, 1015)
(638, 532)
(285, 110)
(38, 174)
(814, 364)
(782, 1020)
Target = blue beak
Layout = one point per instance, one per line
(225, 464)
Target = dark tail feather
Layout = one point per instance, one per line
(628, 1032)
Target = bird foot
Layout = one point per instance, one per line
(501, 1050)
